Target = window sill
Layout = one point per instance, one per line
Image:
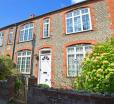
(25, 73)
(71, 76)
(79, 32)
(10, 44)
(25, 41)
(46, 37)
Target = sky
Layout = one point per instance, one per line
(12, 11)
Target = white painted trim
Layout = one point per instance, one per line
(48, 27)
(81, 21)
(75, 53)
(1, 38)
(27, 34)
(11, 32)
(25, 56)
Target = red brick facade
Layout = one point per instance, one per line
(110, 4)
(102, 19)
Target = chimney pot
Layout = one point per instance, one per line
(31, 16)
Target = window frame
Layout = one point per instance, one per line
(44, 37)
(82, 30)
(23, 29)
(1, 36)
(24, 56)
(9, 38)
(76, 53)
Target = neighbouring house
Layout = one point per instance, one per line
(51, 46)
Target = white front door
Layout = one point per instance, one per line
(45, 69)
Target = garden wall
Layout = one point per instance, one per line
(54, 96)
(6, 90)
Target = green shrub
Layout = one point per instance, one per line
(18, 86)
(43, 86)
(7, 68)
(98, 69)
(18, 83)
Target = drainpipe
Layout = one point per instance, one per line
(14, 44)
(31, 69)
(32, 56)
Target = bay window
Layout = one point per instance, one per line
(78, 21)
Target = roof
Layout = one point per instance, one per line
(51, 12)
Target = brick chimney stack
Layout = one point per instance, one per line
(31, 16)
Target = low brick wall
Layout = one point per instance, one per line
(6, 90)
(53, 96)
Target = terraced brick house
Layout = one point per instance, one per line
(52, 46)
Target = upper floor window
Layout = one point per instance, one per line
(78, 21)
(46, 28)
(26, 33)
(1, 39)
(24, 61)
(10, 37)
(75, 55)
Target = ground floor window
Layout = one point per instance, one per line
(75, 55)
(24, 61)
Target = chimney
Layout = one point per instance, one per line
(31, 16)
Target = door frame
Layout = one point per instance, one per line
(44, 49)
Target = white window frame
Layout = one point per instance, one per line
(81, 20)
(48, 27)
(1, 38)
(25, 56)
(23, 30)
(76, 53)
(9, 37)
